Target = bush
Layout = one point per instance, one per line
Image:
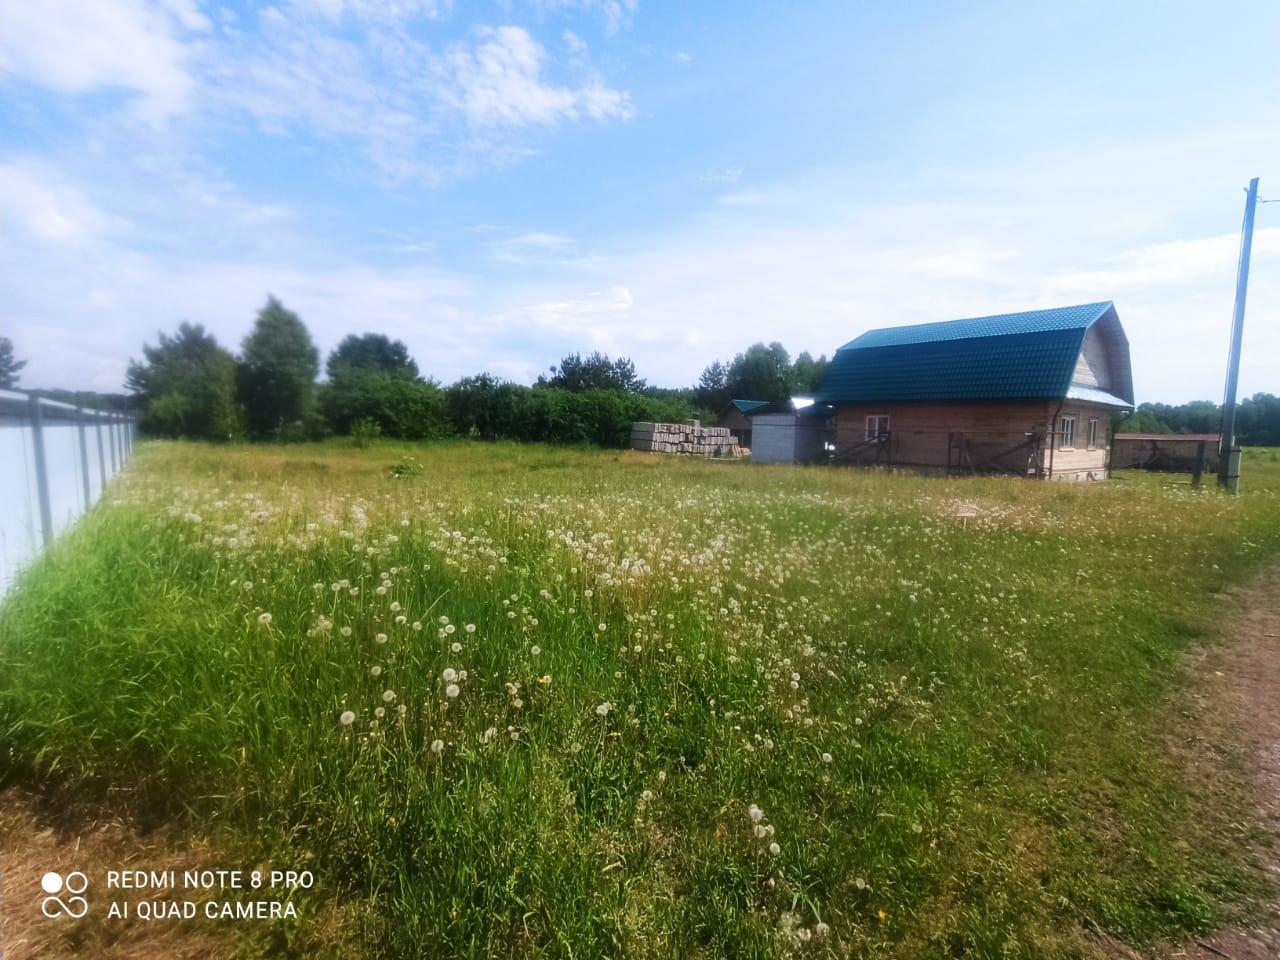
(489, 409)
(402, 408)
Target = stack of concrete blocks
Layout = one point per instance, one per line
(689, 439)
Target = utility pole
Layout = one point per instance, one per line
(1228, 452)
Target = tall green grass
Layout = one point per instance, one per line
(960, 737)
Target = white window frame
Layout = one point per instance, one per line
(1067, 434)
(877, 426)
(1093, 433)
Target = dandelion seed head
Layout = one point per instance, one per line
(347, 718)
(775, 849)
(437, 746)
(449, 675)
(380, 638)
(455, 647)
(264, 618)
(452, 691)
(388, 695)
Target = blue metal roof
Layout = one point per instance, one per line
(1029, 321)
(1025, 355)
(746, 406)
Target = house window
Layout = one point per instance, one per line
(1068, 433)
(877, 426)
(1093, 433)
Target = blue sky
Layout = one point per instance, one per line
(499, 184)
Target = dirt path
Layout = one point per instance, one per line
(1247, 676)
(30, 848)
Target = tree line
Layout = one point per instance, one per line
(188, 385)
(1257, 419)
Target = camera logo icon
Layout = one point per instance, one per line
(73, 884)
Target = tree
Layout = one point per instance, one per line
(9, 367)
(277, 373)
(761, 373)
(187, 386)
(807, 373)
(713, 388)
(371, 352)
(596, 372)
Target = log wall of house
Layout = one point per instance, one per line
(1080, 461)
(922, 432)
(1092, 367)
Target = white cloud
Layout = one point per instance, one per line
(498, 82)
(386, 11)
(722, 175)
(79, 46)
(616, 13)
(39, 205)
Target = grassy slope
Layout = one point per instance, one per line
(996, 697)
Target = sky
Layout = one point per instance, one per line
(501, 184)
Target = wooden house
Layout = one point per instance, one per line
(1027, 393)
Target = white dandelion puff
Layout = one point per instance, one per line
(347, 718)
(452, 691)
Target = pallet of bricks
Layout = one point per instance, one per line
(690, 439)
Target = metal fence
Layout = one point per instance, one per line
(55, 461)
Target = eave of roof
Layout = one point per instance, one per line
(1078, 391)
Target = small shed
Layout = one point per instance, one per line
(736, 417)
(794, 430)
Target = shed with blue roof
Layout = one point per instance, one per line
(736, 417)
(1028, 393)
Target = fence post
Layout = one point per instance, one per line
(42, 471)
(111, 438)
(102, 453)
(84, 459)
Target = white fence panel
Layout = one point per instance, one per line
(54, 462)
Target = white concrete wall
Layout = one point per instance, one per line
(21, 533)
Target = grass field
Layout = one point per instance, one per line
(534, 702)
